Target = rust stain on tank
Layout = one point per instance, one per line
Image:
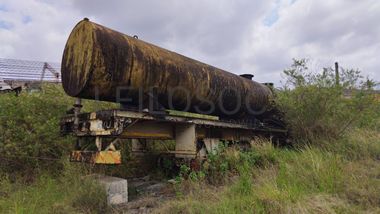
(96, 57)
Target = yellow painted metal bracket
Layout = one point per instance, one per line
(96, 157)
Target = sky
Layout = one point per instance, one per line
(240, 36)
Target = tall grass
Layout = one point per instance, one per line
(307, 180)
(73, 192)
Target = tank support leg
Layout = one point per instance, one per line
(185, 139)
(139, 147)
(77, 108)
(211, 144)
(98, 143)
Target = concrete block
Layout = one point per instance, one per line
(116, 188)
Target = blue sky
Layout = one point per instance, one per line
(240, 36)
(5, 25)
(272, 16)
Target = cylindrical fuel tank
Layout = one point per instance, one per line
(100, 63)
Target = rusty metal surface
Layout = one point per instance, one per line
(98, 60)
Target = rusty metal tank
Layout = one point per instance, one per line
(102, 63)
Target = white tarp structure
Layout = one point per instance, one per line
(29, 71)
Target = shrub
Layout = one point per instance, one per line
(30, 139)
(316, 108)
(226, 162)
(29, 130)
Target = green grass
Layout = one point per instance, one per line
(71, 193)
(308, 180)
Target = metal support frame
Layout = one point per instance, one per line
(195, 136)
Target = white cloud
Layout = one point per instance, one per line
(38, 29)
(211, 31)
(242, 36)
(343, 31)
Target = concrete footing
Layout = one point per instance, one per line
(116, 189)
